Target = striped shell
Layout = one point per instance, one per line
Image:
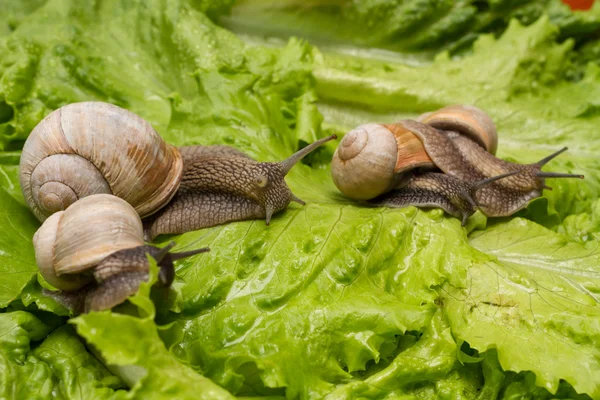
(92, 147)
(73, 241)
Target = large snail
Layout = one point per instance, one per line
(94, 252)
(91, 170)
(93, 147)
(390, 164)
(221, 184)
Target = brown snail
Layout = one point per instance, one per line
(95, 254)
(91, 170)
(94, 147)
(221, 184)
(391, 164)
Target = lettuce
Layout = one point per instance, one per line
(39, 360)
(14, 12)
(420, 28)
(17, 267)
(132, 347)
(59, 364)
(333, 299)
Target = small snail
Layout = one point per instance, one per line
(94, 252)
(93, 147)
(389, 164)
(221, 184)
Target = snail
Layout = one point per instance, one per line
(221, 184)
(95, 254)
(93, 147)
(391, 165)
(90, 171)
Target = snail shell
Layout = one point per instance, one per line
(92, 147)
(468, 120)
(373, 158)
(73, 241)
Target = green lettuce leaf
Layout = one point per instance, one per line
(421, 28)
(535, 301)
(13, 12)
(132, 346)
(17, 260)
(431, 358)
(583, 227)
(59, 366)
(9, 175)
(327, 315)
(333, 298)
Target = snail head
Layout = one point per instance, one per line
(268, 186)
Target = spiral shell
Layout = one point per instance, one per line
(77, 239)
(371, 158)
(468, 120)
(92, 147)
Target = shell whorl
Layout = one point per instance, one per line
(43, 242)
(354, 142)
(371, 159)
(363, 164)
(72, 241)
(465, 119)
(93, 147)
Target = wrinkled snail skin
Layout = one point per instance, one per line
(219, 186)
(436, 190)
(431, 190)
(461, 157)
(119, 276)
(93, 147)
(388, 164)
(192, 154)
(95, 254)
(212, 192)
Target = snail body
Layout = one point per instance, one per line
(120, 274)
(191, 154)
(94, 252)
(459, 141)
(92, 147)
(220, 184)
(436, 190)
